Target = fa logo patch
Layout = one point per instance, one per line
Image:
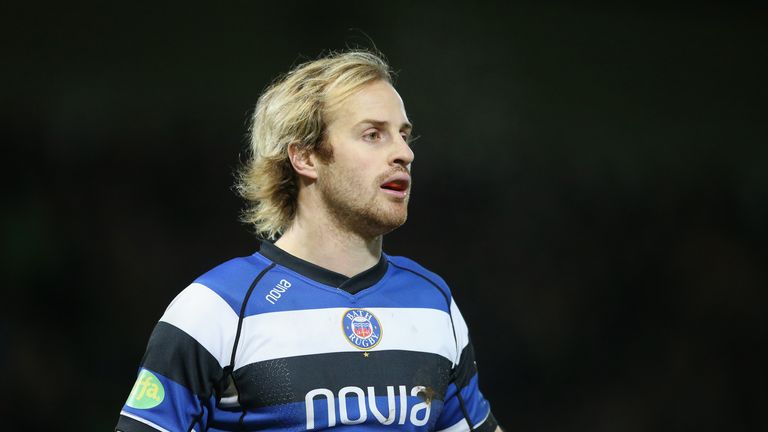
(361, 328)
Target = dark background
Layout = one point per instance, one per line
(591, 180)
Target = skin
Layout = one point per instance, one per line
(343, 212)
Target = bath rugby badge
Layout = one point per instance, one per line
(361, 328)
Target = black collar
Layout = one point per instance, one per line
(352, 284)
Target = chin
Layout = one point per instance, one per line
(382, 224)
(393, 223)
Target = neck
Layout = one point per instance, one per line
(324, 242)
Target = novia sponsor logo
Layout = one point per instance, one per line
(277, 292)
(322, 411)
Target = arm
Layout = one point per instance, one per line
(465, 407)
(178, 374)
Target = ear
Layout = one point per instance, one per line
(302, 161)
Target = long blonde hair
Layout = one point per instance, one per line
(294, 110)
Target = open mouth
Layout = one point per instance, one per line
(396, 185)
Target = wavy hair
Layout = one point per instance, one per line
(295, 109)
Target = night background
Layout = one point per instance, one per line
(592, 181)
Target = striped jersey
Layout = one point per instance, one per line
(273, 342)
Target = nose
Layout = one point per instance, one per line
(403, 154)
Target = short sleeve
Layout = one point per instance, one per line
(465, 407)
(182, 367)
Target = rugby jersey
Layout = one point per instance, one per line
(273, 342)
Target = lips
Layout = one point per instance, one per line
(395, 185)
(398, 183)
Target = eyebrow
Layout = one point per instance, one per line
(379, 123)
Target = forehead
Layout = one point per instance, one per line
(377, 100)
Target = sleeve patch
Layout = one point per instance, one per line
(147, 392)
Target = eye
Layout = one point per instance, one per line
(372, 135)
(409, 138)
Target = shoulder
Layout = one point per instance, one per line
(230, 280)
(410, 266)
(206, 313)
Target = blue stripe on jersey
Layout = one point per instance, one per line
(232, 279)
(178, 406)
(476, 405)
(416, 267)
(293, 416)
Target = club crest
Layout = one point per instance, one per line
(361, 328)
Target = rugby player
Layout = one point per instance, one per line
(319, 328)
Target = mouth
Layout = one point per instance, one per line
(397, 185)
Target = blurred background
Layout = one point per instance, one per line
(591, 180)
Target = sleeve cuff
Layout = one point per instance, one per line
(134, 424)
(489, 425)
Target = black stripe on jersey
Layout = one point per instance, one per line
(177, 355)
(127, 424)
(467, 367)
(286, 380)
(462, 375)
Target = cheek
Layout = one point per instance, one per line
(358, 167)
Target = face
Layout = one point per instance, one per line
(367, 183)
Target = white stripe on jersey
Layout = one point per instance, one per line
(319, 331)
(462, 332)
(211, 321)
(463, 426)
(146, 422)
(204, 315)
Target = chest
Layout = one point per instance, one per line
(316, 368)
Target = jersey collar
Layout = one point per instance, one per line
(322, 275)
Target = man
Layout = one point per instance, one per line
(320, 329)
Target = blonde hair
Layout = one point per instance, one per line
(294, 110)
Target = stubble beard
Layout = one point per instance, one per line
(368, 216)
